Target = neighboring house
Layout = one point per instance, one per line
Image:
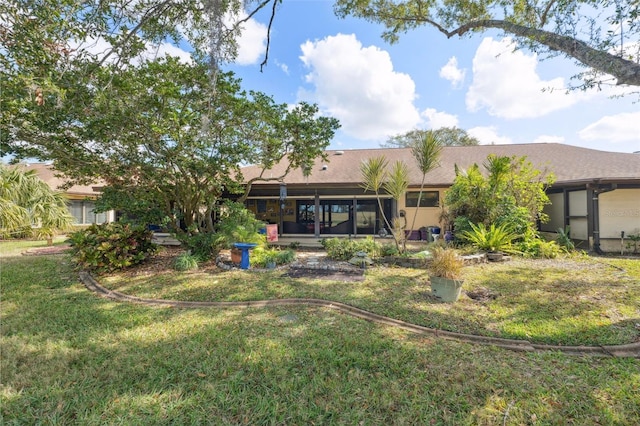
(596, 193)
(80, 197)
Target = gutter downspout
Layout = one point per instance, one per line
(597, 190)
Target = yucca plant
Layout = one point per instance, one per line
(564, 239)
(492, 239)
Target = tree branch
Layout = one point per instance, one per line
(625, 71)
(151, 13)
(266, 52)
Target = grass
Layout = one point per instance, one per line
(571, 301)
(69, 357)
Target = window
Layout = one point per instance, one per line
(76, 209)
(82, 212)
(428, 199)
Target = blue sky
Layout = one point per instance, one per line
(427, 81)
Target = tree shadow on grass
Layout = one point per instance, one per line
(77, 358)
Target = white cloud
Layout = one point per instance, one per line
(437, 119)
(252, 42)
(100, 47)
(506, 83)
(488, 136)
(618, 128)
(358, 86)
(163, 49)
(452, 73)
(549, 139)
(283, 67)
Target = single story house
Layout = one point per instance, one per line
(596, 193)
(80, 197)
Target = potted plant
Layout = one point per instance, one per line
(445, 274)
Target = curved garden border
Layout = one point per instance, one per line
(619, 351)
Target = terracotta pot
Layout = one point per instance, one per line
(236, 256)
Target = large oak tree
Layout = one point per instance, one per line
(160, 132)
(157, 132)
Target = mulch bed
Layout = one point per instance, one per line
(162, 262)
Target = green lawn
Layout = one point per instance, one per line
(571, 301)
(69, 357)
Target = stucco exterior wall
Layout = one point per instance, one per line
(427, 216)
(619, 211)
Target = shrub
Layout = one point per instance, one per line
(112, 246)
(262, 256)
(285, 256)
(512, 191)
(204, 245)
(185, 262)
(537, 247)
(388, 250)
(345, 249)
(239, 225)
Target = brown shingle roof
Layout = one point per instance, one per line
(570, 164)
(47, 174)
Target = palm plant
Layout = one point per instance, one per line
(376, 177)
(27, 204)
(374, 174)
(426, 150)
(491, 239)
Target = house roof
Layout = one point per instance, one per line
(570, 164)
(48, 175)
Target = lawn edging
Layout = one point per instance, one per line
(631, 350)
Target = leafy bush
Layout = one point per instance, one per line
(261, 256)
(185, 262)
(112, 246)
(493, 238)
(345, 249)
(512, 192)
(388, 250)
(537, 247)
(285, 256)
(204, 246)
(237, 224)
(634, 240)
